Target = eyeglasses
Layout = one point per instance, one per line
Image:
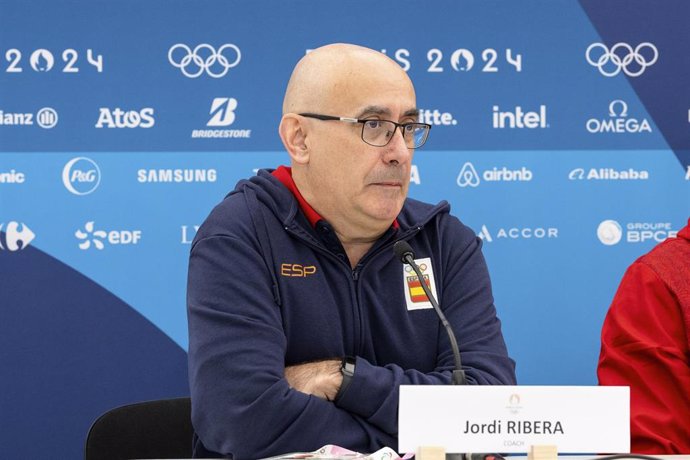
(380, 132)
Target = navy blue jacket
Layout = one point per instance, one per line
(267, 290)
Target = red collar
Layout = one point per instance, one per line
(284, 175)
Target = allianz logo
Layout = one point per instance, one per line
(12, 177)
(46, 118)
(520, 119)
(176, 175)
(608, 174)
(618, 121)
(518, 233)
(118, 118)
(468, 176)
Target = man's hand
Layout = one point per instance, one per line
(319, 378)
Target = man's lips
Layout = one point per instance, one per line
(388, 184)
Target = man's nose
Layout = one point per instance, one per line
(397, 150)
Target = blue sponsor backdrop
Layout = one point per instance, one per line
(123, 123)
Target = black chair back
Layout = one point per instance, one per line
(152, 429)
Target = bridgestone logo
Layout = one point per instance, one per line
(221, 133)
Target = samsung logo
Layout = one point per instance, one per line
(176, 175)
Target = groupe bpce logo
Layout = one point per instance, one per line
(621, 56)
(204, 58)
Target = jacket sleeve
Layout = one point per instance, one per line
(241, 403)
(467, 302)
(644, 346)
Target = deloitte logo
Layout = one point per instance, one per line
(468, 176)
(436, 118)
(81, 176)
(17, 236)
(618, 121)
(609, 232)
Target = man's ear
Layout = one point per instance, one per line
(293, 133)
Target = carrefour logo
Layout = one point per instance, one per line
(610, 232)
(17, 236)
(618, 121)
(81, 176)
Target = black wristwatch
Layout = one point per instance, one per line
(347, 369)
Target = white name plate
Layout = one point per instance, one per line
(510, 419)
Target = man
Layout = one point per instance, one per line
(300, 328)
(645, 344)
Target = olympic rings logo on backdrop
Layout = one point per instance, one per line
(204, 58)
(627, 61)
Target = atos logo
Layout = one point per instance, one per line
(610, 232)
(519, 119)
(118, 118)
(468, 176)
(17, 236)
(98, 238)
(618, 121)
(81, 176)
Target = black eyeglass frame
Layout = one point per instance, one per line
(363, 121)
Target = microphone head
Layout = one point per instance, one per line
(403, 250)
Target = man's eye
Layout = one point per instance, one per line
(373, 124)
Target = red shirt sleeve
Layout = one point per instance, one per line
(644, 346)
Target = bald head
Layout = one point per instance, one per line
(329, 76)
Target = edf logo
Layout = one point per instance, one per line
(81, 176)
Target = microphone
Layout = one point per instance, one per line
(405, 253)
